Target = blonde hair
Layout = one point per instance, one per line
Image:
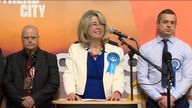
(84, 24)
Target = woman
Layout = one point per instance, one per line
(94, 68)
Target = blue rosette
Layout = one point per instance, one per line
(113, 59)
(176, 64)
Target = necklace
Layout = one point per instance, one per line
(95, 55)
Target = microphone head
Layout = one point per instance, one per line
(167, 57)
(110, 30)
(118, 33)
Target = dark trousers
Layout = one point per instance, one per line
(180, 103)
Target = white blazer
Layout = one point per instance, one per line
(75, 75)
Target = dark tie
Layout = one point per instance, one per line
(164, 67)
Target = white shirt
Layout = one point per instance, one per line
(182, 57)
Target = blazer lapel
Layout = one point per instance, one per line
(21, 62)
(107, 78)
(84, 62)
(106, 63)
(38, 61)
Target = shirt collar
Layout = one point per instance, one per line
(34, 55)
(159, 39)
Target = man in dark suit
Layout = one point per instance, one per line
(1, 66)
(1, 74)
(31, 75)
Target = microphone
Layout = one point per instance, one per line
(167, 58)
(118, 33)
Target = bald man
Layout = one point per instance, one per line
(31, 75)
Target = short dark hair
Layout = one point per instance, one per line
(166, 11)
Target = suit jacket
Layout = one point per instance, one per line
(45, 82)
(1, 67)
(75, 76)
(1, 74)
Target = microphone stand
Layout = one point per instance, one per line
(133, 50)
(168, 91)
(170, 80)
(131, 54)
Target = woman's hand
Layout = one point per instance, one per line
(116, 96)
(73, 97)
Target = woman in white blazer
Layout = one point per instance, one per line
(95, 67)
